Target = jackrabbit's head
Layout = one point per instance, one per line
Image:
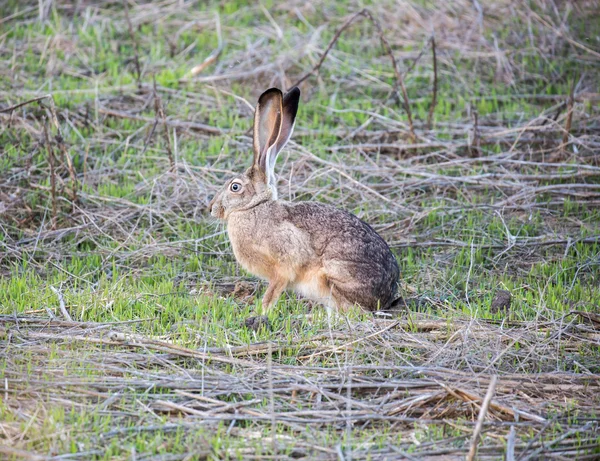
(273, 125)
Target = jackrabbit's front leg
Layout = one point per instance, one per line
(274, 290)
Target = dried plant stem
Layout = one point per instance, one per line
(212, 58)
(484, 408)
(561, 437)
(51, 163)
(160, 114)
(62, 305)
(569, 120)
(388, 49)
(415, 61)
(60, 142)
(21, 104)
(510, 445)
(435, 85)
(183, 125)
(136, 58)
(70, 167)
(476, 139)
(399, 79)
(85, 160)
(335, 38)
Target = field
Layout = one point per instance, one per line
(467, 133)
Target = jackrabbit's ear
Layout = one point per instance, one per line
(290, 108)
(267, 126)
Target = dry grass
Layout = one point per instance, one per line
(378, 382)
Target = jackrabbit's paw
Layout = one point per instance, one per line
(257, 322)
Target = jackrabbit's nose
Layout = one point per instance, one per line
(210, 204)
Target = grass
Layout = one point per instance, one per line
(156, 362)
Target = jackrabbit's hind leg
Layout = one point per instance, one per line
(341, 299)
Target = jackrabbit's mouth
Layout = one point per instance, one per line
(217, 211)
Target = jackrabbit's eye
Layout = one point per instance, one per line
(235, 187)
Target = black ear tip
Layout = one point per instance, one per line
(295, 91)
(291, 100)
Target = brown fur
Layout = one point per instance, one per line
(324, 253)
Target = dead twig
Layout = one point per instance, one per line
(435, 85)
(214, 56)
(335, 38)
(160, 113)
(60, 142)
(399, 82)
(70, 167)
(569, 120)
(399, 79)
(559, 32)
(537, 243)
(62, 305)
(172, 123)
(472, 398)
(558, 439)
(510, 444)
(51, 163)
(475, 138)
(480, 420)
(21, 104)
(136, 59)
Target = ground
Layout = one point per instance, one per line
(474, 152)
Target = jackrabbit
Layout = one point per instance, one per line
(326, 254)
